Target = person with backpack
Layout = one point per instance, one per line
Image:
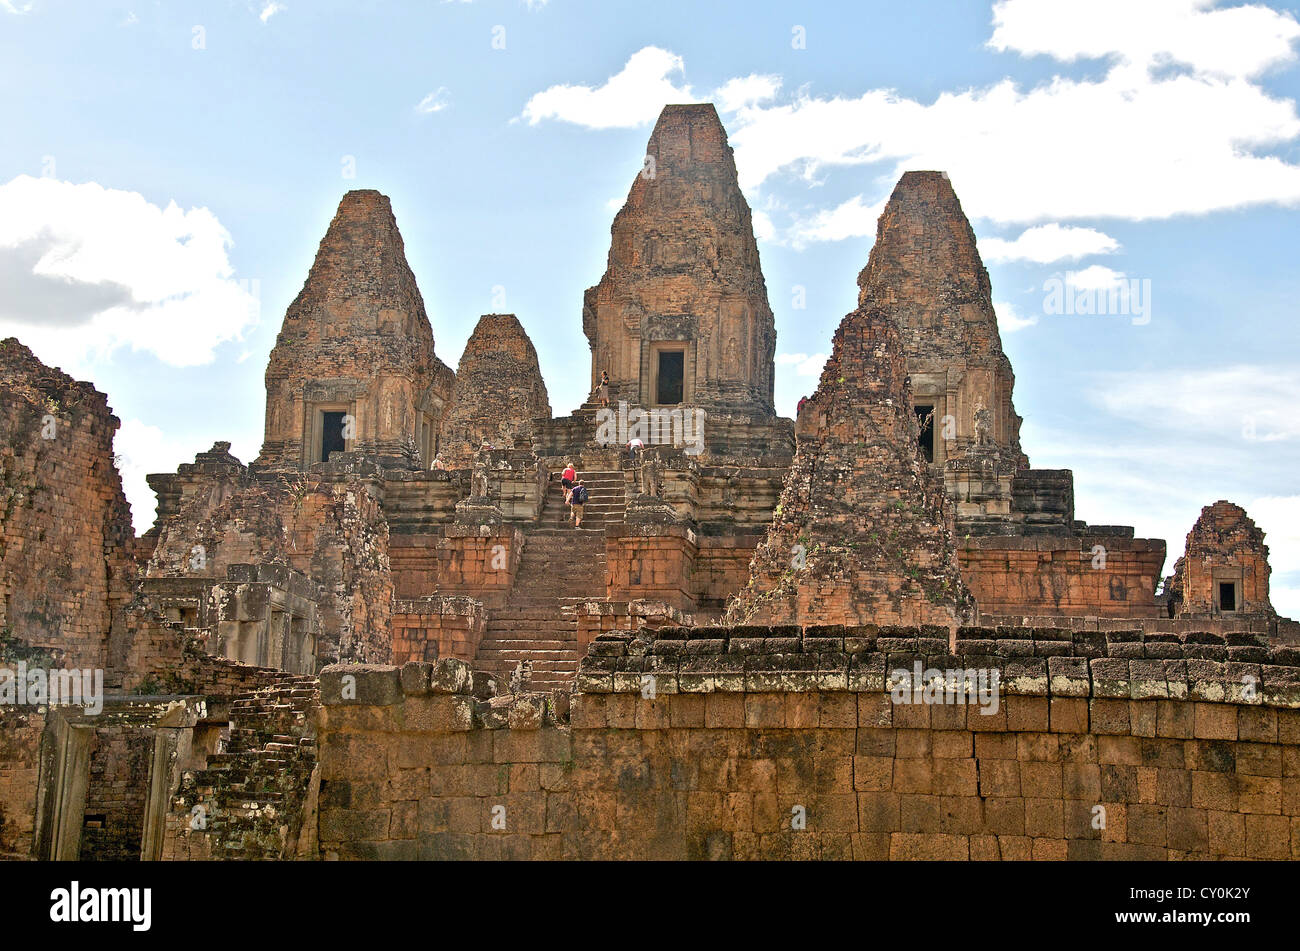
(577, 499)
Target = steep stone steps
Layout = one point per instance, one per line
(560, 567)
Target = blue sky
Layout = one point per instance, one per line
(167, 170)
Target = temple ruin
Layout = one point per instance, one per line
(357, 645)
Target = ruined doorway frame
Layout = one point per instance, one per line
(62, 784)
(315, 438)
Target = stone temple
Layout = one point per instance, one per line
(358, 646)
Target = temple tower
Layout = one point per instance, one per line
(681, 314)
(353, 369)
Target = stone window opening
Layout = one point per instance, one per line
(925, 419)
(331, 434)
(1227, 596)
(330, 431)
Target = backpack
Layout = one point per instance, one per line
(579, 495)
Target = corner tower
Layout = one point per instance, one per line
(353, 369)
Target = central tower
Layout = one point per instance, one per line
(681, 314)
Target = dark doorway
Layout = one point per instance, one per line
(672, 372)
(331, 436)
(925, 417)
(1227, 596)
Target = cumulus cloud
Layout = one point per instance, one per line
(804, 364)
(632, 97)
(1279, 517)
(1009, 321)
(17, 6)
(745, 91)
(1045, 244)
(1236, 42)
(1115, 146)
(435, 101)
(855, 218)
(88, 269)
(1097, 277)
(143, 449)
(269, 10)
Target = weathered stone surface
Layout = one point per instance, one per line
(356, 340)
(684, 273)
(66, 544)
(1225, 546)
(863, 533)
(332, 532)
(925, 270)
(499, 391)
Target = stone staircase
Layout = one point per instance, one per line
(249, 798)
(560, 567)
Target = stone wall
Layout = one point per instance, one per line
(120, 761)
(333, 532)
(66, 543)
(20, 750)
(480, 561)
(425, 629)
(767, 744)
(1064, 575)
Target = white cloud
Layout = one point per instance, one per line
(764, 229)
(535, 4)
(17, 7)
(435, 101)
(1096, 277)
(745, 91)
(270, 10)
(632, 97)
(1245, 403)
(1009, 321)
(851, 219)
(1279, 517)
(1119, 146)
(1045, 244)
(1239, 41)
(141, 450)
(88, 269)
(804, 365)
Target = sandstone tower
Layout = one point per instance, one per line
(353, 369)
(681, 314)
(1224, 570)
(862, 533)
(499, 391)
(926, 269)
